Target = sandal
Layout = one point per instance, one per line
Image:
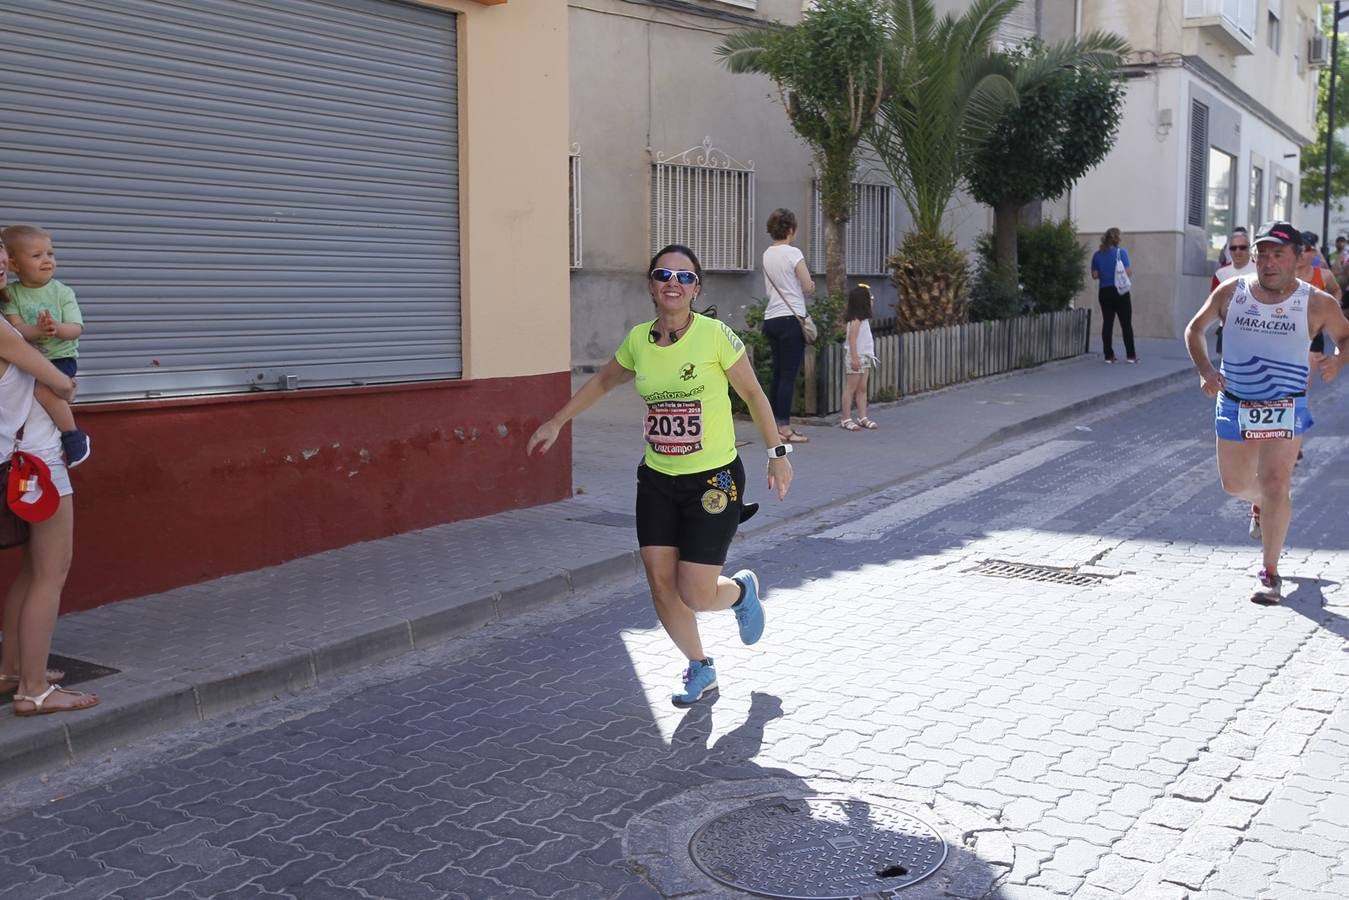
(849, 425)
(867, 424)
(10, 683)
(794, 437)
(40, 699)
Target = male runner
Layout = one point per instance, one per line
(1261, 392)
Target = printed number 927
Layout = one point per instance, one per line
(1266, 416)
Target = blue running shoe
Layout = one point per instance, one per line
(699, 678)
(748, 610)
(75, 444)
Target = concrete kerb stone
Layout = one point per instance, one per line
(53, 744)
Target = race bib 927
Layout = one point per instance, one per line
(1265, 420)
(675, 427)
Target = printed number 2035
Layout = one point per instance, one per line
(673, 426)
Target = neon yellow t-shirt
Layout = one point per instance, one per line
(688, 425)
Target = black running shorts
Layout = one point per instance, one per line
(697, 513)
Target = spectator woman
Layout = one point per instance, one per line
(787, 281)
(1114, 304)
(34, 598)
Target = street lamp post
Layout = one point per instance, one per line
(1330, 119)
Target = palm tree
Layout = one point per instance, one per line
(947, 90)
(1061, 122)
(832, 70)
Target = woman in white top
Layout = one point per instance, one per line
(34, 598)
(787, 281)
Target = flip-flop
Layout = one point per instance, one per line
(38, 701)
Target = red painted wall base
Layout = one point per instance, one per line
(182, 491)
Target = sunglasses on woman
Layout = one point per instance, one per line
(683, 276)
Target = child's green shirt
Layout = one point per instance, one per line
(59, 300)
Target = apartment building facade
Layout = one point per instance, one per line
(1220, 98)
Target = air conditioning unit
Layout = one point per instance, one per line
(1318, 50)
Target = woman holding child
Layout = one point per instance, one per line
(34, 598)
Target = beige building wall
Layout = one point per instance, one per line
(646, 79)
(1261, 111)
(513, 185)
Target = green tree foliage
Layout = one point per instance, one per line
(1314, 154)
(945, 91)
(1052, 263)
(832, 70)
(1051, 271)
(1060, 121)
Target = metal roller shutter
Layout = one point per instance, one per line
(244, 195)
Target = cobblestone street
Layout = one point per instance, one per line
(1150, 733)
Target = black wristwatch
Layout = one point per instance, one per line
(779, 451)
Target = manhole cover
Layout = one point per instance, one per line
(818, 847)
(1044, 574)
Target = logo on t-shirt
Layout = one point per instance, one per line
(686, 373)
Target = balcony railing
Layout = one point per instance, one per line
(1231, 21)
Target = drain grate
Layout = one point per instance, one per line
(612, 519)
(77, 670)
(1044, 574)
(817, 848)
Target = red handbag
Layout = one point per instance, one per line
(13, 530)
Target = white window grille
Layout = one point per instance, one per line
(704, 198)
(574, 196)
(1020, 26)
(869, 237)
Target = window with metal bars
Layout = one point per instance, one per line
(1020, 26)
(574, 204)
(704, 198)
(869, 237)
(1197, 188)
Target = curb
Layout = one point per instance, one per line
(141, 710)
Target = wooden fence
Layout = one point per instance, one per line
(924, 360)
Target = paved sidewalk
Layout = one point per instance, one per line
(200, 651)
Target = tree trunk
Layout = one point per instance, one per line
(929, 297)
(1005, 217)
(835, 261)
